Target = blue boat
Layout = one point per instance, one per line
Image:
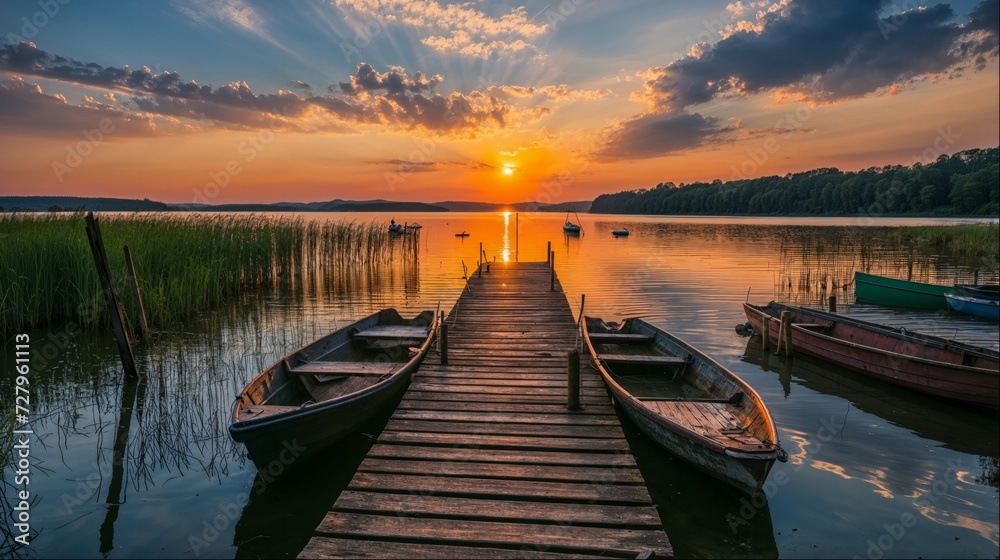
(979, 307)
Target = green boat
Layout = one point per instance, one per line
(880, 290)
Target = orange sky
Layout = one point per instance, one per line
(428, 112)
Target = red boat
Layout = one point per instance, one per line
(924, 363)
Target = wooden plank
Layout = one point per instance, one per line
(346, 368)
(497, 510)
(629, 359)
(503, 471)
(523, 457)
(505, 429)
(561, 417)
(620, 338)
(330, 547)
(511, 489)
(596, 408)
(393, 332)
(420, 384)
(252, 411)
(626, 543)
(594, 445)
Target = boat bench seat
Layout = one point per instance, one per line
(393, 332)
(252, 411)
(326, 371)
(620, 338)
(628, 359)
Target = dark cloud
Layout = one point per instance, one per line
(394, 98)
(657, 135)
(394, 82)
(827, 51)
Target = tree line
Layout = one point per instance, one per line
(965, 183)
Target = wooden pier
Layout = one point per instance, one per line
(482, 459)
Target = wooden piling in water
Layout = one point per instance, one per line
(444, 343)
(481, 259)
(548, 253)
(833, 304)
(552, 278)
(573, 379)
(143, 325)
(114, 304)
(785, 333)
(765, 335)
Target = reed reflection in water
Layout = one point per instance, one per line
(861, 457)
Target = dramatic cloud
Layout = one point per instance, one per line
(25, 108)
(825, 52)
(454, 27)
(406, 166)
(654, 135)
(393, 99)
(561, 92)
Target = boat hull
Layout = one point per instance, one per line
(891, 292)
(920, 363)
(745, 470)
(983, 308)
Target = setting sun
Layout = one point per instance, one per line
(508, 169)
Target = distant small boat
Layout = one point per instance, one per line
(395, 228)
(463, 234)
(978, 307)
(714, 420)
(620, 232)
(317, 395)
(570, 227)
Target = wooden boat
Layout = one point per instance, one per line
(570, 227)
(932, 365)
(869, 288)
(982, 291)
(619, 232)
(978, 307)
(395, 228)
(705, 414)
(324, 391)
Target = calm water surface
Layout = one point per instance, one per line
(162, 478)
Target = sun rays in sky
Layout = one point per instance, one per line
(500, 101)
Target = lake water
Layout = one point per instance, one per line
(874, 471)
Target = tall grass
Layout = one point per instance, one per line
(185, 264)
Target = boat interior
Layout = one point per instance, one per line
(345, 362)
(667, 379)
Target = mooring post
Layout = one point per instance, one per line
(785, 334)
(765, 338)
(975, 277)
(143, 326)
(444, 343)
(552, 280)
(548, 253)
(573, 379)
(583, 301)
(833, 304)
(481, 263)
(114, 304)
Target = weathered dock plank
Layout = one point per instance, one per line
(482, 459)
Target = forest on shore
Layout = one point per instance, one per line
(963, 184)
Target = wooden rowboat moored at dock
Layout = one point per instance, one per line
(701, 412)
(317, 395)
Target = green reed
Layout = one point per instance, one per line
(185, 264)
